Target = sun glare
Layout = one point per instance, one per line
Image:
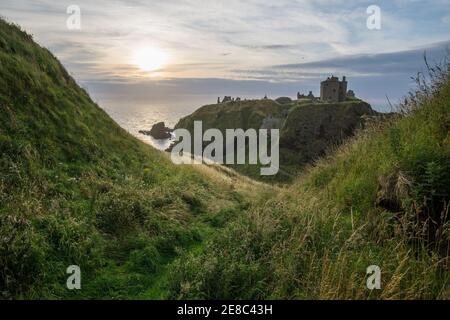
(150, 59)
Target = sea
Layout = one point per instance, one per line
(143, 117)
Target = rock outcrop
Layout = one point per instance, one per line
(307, 128)
(159, 131)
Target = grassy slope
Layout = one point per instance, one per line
(382, 199)
(240, 114)
(75, 188)
(249, 114)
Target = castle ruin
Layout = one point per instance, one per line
(228, 99)
(333, 90)
(310, 96)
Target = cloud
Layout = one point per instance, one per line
(373, 77)
(249, 46)
(393, 63)
(402, 63)
(253, 34)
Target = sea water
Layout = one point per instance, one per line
(143, 117)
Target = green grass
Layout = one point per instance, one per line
(75, 188)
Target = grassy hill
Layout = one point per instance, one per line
(300, 141)
(76, 189)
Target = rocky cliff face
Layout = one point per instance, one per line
(310, 129)
(307, 128)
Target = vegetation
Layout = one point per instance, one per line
(381, 199)
(76, 189)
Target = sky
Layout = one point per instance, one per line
(200, 50)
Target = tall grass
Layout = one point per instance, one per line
(76, 189)
(381, 199)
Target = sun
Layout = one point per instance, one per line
(150, 59)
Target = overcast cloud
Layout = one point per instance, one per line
(246, 48)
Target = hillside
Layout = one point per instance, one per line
(382, 199)
(76, 189)
(307, 128)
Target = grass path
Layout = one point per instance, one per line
(158, 289)
(253, 192)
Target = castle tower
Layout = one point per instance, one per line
(333, 90)
(343, 89)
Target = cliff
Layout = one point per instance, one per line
(307, 128)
